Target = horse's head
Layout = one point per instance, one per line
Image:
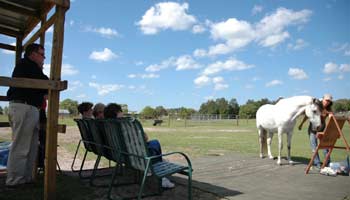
(313, 112)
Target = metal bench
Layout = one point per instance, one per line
(127, 140)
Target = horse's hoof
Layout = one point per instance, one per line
(279, 163)
(261, 156)
(291, 162)
(271, 157)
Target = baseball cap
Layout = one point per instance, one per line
(328, 97)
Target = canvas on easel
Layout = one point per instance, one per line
(329, 137)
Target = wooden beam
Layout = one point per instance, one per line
(3, 98)
(19, 9)
(63, 3)
(46, 25)
(10, 32)
(53, 106)
(7, 47)
(4, 124)
(33, 83)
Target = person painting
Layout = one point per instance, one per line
(326, 110)
(113, 111)
(24, 117)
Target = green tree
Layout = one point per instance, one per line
(148, 112)
(1, 111)
(341, 105)
(70, 105)
(222, 106)
(161, 111)
(233, 107)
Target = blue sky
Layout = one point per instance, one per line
(182, 53)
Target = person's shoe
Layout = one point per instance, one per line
(166, 183)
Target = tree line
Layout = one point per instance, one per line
(219, 106)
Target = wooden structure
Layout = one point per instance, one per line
(329, 137)
(18, 18)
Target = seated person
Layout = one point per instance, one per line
(113, 111)
(98, 111)
(85, 109)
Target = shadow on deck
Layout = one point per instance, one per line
(230, 176)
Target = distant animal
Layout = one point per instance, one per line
(281, 118)
(157, 121)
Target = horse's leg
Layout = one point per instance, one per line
(262, 141)
(280, 146)
(289, 142)
(269, 141)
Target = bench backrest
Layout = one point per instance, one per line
(85, 135)
(110, 129)
(98, 137)
(134, 139)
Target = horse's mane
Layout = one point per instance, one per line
(295, 100)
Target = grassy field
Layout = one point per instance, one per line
(219, 137)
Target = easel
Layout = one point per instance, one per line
(329, 137)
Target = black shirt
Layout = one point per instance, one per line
(28, 69)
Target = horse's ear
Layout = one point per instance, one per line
(317, 102)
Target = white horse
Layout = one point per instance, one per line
(281, 118)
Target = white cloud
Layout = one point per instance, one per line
(273, 40)
(73, 85)
(344, 68)
(186, 62)
(104, 32)
(249, 86)
(144, 76)
(157, 67)
(270, 31)
(200, 53)
(330, 68)
(104, 89)
(196, 29)
(67, 70)
(299, 44)
(273, 83)
(132, 76)
(229, 65)
(257, 9)
(235, 33)
(219, 83)
(297, 73)
(103, 56)
(166, 15)
(183, 62)
(81, 96)
(202, 81)
(344, 47)
(327, 79)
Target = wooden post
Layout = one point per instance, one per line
(19, 49)
(53, 106)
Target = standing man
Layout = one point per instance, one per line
(24, 117)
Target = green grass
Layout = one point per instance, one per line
(205, 138)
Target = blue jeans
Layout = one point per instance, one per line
(313, 145)
(154, 149)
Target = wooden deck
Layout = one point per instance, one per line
(242, 177)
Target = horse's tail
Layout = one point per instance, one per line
(263, 141)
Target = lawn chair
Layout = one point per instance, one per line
(132, 146)
(328, 139)
(87, 139)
